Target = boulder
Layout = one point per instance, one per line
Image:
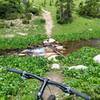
(97, 58)
(78, 67)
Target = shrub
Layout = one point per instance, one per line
(42, 20)
(28, 16)
(90, 8)
(25, 21)
(12, 24)
(11, 16)
(64, 11)
(10, 9)
(34, 10)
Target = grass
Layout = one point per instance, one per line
(35, 34)
(78, 29)
(86, 81)
(11, 85)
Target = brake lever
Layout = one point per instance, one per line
(66, 89)
(24, 76)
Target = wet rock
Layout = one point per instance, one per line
(97, 58)
(47, 49)
(59, 47)
(79, 67)
(39, 52)
(51, 40)
(21, 54)
(26, 50)
(48, 41)
(49, 54)
(55, 66)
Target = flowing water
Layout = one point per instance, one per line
(69, 47)
(75, 45)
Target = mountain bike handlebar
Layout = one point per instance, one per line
(46, 82)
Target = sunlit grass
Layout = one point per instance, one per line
(35, 34)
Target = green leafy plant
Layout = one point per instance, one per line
(11, 84)
(86, 80)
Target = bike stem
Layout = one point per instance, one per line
(42, 88)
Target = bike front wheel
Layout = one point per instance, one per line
(52, 97)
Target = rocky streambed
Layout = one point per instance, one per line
(51, 48)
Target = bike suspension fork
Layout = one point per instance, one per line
(41, 90)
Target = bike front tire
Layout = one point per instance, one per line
(52, 97)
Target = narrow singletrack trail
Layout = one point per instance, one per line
(55, 75)
(49, 23)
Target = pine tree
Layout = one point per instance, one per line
(90, 8)
(64, 11)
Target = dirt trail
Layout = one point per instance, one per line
(49, 23)
(57, 77)
(52, 75)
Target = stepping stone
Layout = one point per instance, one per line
(48, 41)
(55, 66)
(59, 47)
(97, 58)
(51, 40)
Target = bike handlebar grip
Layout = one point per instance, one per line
(86, 97)
(15, 71)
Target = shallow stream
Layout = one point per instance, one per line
(69, 46)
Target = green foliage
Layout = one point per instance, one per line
(34, 35)
(28, 16)
(11, 84)
(86, 80)
(62, 37)
(90, 8)
(3, 24)
(64, 11)
(42, 20)
(10, 9)
(34, 10)
(25, 21)
(21, 42)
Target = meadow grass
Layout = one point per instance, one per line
(35, 34)
(12, 85)
(84, 28)
(86, 81)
